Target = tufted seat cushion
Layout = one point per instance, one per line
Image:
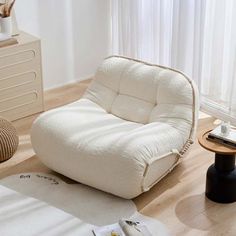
(128, 131)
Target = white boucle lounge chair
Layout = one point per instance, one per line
(127, 132)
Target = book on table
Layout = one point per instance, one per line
(227, 140)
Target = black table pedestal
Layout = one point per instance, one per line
(221, 179)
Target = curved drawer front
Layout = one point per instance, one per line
(12, 59)
(20, 100)
(18, 79)
(7, 73)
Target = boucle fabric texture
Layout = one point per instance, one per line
(8, 140)
(126, 133)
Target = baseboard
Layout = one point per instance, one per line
(76, 80)
(88, 77)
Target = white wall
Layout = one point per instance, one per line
(74, 33)
(91, 34)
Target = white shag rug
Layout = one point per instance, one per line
(36, 204)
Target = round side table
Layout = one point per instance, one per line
(221, 176)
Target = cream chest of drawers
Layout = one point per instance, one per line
(21, 91)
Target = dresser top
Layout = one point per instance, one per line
(24, 37)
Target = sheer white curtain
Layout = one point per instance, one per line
(197, 37)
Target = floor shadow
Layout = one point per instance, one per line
(192, 210)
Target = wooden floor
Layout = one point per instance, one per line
(178, 200)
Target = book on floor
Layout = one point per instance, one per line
(123, 228)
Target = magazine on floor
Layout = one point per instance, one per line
(123, 228)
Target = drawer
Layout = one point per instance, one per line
(18, 54)
(20, 102)
(17, 58)
(18, 70)
(19, 79)
(22, 110)
(15, 91)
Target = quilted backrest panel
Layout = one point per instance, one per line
(143, 93)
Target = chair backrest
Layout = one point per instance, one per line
(140, 92)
